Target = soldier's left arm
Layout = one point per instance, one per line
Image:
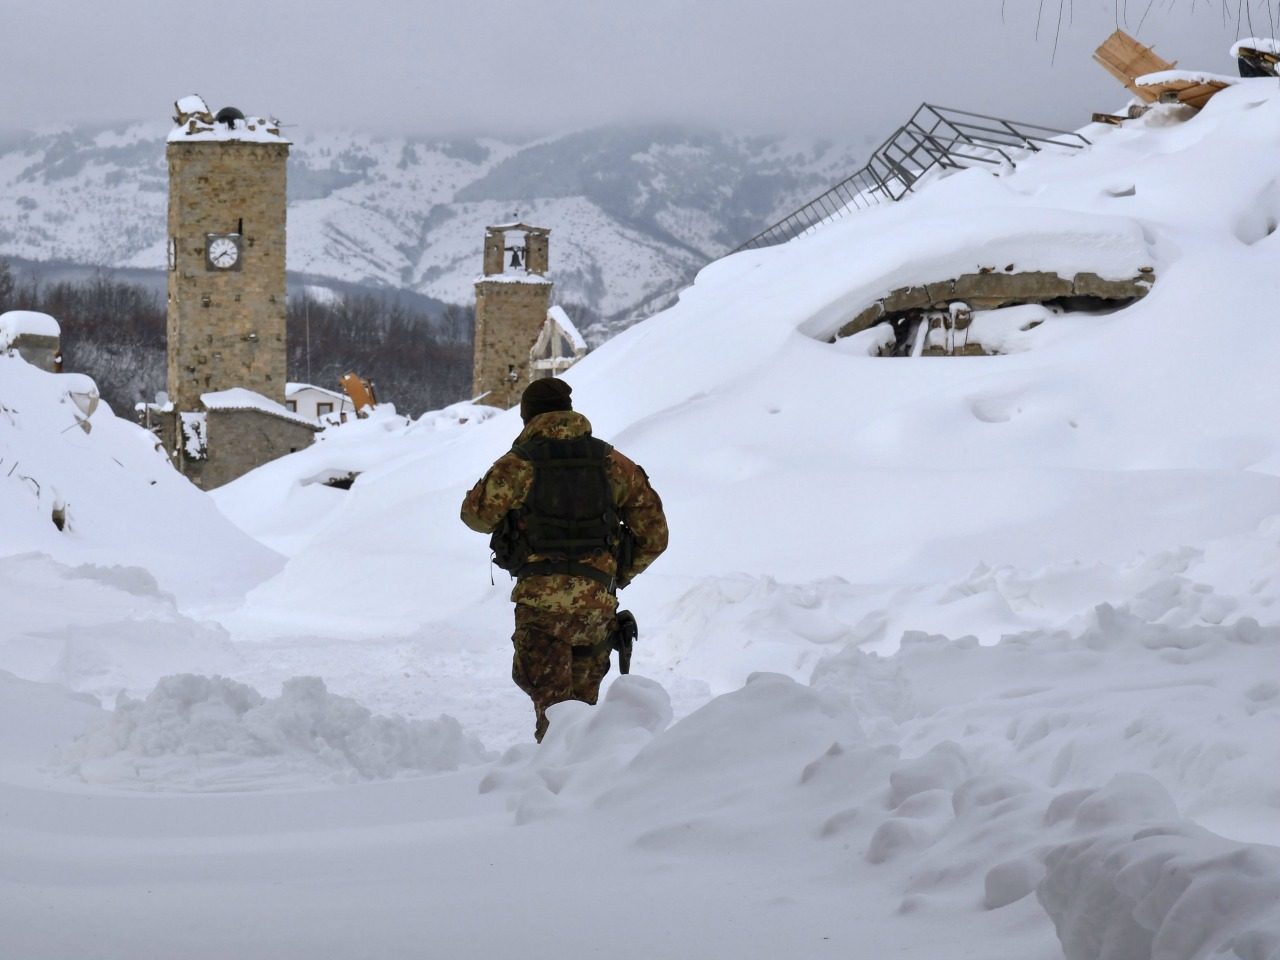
(641, 509)
(500, 490)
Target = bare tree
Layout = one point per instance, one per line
(7, 286)
(1249, 17)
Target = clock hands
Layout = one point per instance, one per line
(223, 252)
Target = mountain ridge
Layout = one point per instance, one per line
(634, 211)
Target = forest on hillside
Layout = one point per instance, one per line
(114, 331)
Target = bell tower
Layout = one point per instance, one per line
(512, 300)
(226, 254)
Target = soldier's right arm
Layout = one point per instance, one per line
(500, 490)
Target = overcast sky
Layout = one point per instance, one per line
(845, 68)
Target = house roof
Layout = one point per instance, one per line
(291, 388)
(240, 398)
(561, 319)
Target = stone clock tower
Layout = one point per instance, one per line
(226, 254)
(226, 356)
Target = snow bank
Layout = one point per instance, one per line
(209, 733)
(34, 719)
(1037, 703)
(81, 485)
(585, 748)
(896, 774)
(1165, 891)
(285, 503)
(100, 629)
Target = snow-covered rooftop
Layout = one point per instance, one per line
(293, 388)
(561, 319)
(1185, 76)
(1261, 44)
(195, 122)
(517, 225)
(29, 323)
(240, 398)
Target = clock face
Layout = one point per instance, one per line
(223, 253)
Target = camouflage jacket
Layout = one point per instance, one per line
(507, 483)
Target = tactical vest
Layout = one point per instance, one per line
(567, 515)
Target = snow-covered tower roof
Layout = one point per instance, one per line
(194, 121)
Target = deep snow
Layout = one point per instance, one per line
(962, 657)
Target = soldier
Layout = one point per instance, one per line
(574, 521)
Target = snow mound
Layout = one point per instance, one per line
(585, 747)
(100, 630)
(211, 734)
(84, 486)
(284, 503)
(1171, 890)
(454, 415)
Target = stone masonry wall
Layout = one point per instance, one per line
(508, 318)
(994, 288)
(37, 351)
(240, 440)
(226, 328)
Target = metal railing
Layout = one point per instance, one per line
(935, 138)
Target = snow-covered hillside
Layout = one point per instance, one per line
(633, 212)
(948, 657)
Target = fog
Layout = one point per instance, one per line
(434, 67)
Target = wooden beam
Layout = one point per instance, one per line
(1126, 59)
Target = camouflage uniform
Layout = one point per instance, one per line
(563, 621)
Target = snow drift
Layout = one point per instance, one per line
(210, 733)
(117, 498)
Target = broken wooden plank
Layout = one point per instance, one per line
(1266, 56)
(1192, 88)
(1126, 59)
(1153, 79)
(1255, 61)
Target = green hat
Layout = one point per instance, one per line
(543, 396)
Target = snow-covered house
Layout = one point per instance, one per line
(558, 346)
(237, 431)
(327, 407)
(35, 336)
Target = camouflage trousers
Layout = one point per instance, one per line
(554, 660)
